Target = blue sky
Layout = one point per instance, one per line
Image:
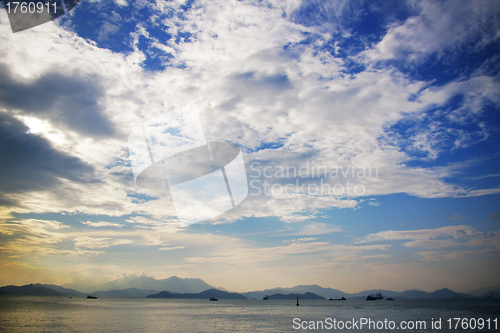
(407, 89)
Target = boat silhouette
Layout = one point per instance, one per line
(375, 297)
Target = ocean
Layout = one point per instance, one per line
(62, 314)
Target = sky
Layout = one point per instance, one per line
(369, 132)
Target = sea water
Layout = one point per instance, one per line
(62, 314)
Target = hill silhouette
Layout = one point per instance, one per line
(143, 286)
(307, 295)
(31, 290)
(143, 282)
(204, 294)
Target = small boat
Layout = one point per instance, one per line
(91, 297)
(490, 295)
(389, 299)
(265, 298)
(338, 299)
(213, 299)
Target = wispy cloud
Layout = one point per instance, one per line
(455, 238)
(305, 239)
(34, 231)
(423, 234)
(334, 252)
(34, 238)
(99, 243)
(313, 229)
(102, 224)
(439, 27)
(171, 248)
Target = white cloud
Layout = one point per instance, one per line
(102, 224)
(171, 248)
(121, 2)
(249, 91)
(34, 238)
(99, 243)
(459, 231)
(312, 229)
(30, 233)
(244, 256)
(439, 27)
(457, 239)
(461, 255)
(305, 239)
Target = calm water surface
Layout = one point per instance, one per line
(61, 314)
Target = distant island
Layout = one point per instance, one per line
(189, 288)
(210, 293)
(39, 290)
(306, 295)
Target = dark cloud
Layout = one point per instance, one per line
(495, 216)
(29, 162)
(71, 101)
